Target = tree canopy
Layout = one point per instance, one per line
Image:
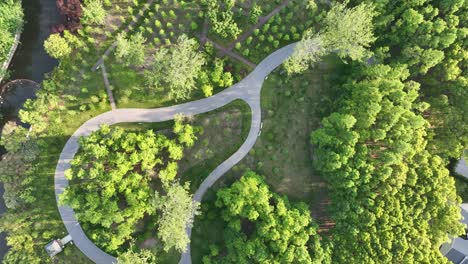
(111, 182)
(430, 37)
(57, 47)
(177, 213)
(265, 227)
(130, 256)
(11, 21)
(130, 50)
(93, 12)
(387, 189)
(346, 31)
(176, 68)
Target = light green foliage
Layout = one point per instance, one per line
(221, 16)
(93, 12)
(57, 47)
(131, 50)
(177, 213)
(176, 68)
(130, 256)
(383, 181)
(11, 20)
(207, 90)
(115, 167)
(346, 31)
(13, 136)
(185, 132)
(15, 165)
(262, 225)
(255, 13)
(306, 53)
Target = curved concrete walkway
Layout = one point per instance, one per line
(248, 90)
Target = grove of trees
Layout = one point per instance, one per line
(264, 227)
(111, 189)
(387, 189)
(430, 37)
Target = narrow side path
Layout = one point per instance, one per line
(231, 53)
(248, 90)
(110, 95)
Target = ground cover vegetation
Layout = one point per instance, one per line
(11, 22)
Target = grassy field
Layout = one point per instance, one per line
(283, 153)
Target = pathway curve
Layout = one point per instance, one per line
(248, 90)
(462, 168)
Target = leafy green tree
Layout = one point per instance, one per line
(176, 68)
(13, 136)
(93, 12)
(57, 47)
(130, 256)
(263, 226)
(177, 213)
(346, 31)
(131, 50)
(111, 179)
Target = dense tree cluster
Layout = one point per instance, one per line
(111, 184)
(11, 20)
(430, 37)
(176, 68)
(61, 45)
(15, 164)
(136, 257)
(263, 227)
(93, 12)
(387, 189)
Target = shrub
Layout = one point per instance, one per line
(207, 90)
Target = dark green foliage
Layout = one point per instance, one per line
(387, 189)
(222, 17)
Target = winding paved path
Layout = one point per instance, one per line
(248, 90)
